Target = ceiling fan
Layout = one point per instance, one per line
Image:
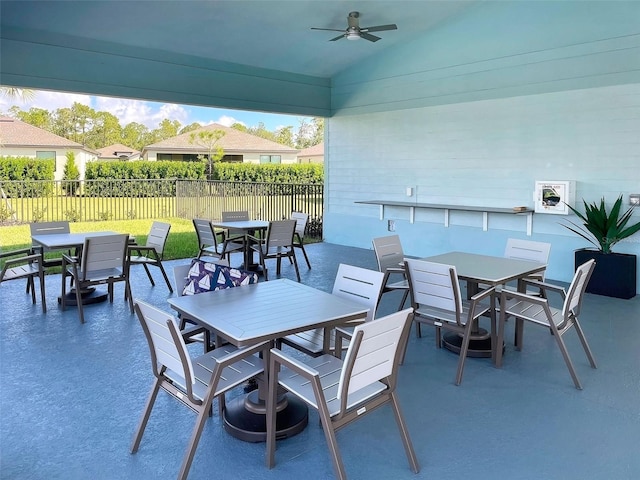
(355, 32)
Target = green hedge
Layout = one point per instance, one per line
(143, 169)
(26, 169)
(307, 173)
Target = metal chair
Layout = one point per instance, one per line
(354, 283)
(531, 251)
(235, 239)
(104, 261)
(211, 243)
(436, 300)
(151, 253)
(537, 310)
(298, 237)
(277, 245)
(390, 258)
(24, 263)
(344, 391)
(48, 228)
(194, 382)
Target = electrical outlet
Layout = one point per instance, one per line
(391, 225)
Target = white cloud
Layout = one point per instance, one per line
(46, 100)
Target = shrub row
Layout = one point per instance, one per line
(308, 173)
(27, 169)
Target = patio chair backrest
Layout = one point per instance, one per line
(166, 345)
(104, 255)
(575, 293)
(528, 250)
(301, 223)
(435, 285)
(360, 285)
(374, 354)
(158, 236)
(389, 253)
(280, 234)
(49, 228)
(237, 216)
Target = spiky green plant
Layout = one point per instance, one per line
(601, 228)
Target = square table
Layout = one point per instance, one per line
(267, 311)
(487, 269)
(67, 241)
(248, 227)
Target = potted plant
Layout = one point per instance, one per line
(615, 273)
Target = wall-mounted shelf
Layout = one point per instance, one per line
(447, 208)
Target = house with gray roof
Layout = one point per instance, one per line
(19, 139)
(117, 151)
(238, 147)
(314, 154)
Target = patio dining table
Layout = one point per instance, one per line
(72, 241)
(249, 227)
(260, 312)
(478, 269)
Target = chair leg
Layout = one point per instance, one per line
(585, 345)
(33, 289)
(567, 358)
(404, 299)
(295, 264)
(164, 274)
(42, 293)
(404, 434)
(146, 269)
(330, 436)
(145, 416)
(304, 252)
(464, 348)
(193, 442)
(79, 303)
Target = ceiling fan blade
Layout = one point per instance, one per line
(380, 28)
(328, 29)
(371, 38)
(337, 38)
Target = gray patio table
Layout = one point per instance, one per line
(67, 241)
(266, 311)
(249, 227)
(476, 269)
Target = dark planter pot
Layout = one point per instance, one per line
(614, 274)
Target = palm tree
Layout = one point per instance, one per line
(23, 94)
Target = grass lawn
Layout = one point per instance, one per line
(182, 241)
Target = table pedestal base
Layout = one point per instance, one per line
(245, 419)
(89, 296)
(477, 348)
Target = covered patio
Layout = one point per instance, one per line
(72, 395)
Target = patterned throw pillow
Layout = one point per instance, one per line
(207, 277)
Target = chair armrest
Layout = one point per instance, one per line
(510, 294)
(341, 334)
(545, 286)
(21, 251)
(28, 258)
(478, 297)
(254, 239)
(241, 353)
(140, 249)
(278, 357)
(69, 259)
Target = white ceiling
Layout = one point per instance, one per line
(261, 33)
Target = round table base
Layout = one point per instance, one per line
(477, 348)
(89, 296)
(252, 427)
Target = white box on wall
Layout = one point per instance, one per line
(552, 196)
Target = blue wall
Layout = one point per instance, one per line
(477, 111)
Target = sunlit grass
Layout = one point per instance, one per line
(182, 241)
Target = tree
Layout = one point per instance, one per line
(37, 117)
(190, 128)
(23, 94)
(207, 139)
(135, 135)
(70, 175)
(166, 129)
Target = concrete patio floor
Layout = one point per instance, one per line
(71, 396)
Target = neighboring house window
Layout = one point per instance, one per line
(270, 159)
(43, 155)
(233, 158)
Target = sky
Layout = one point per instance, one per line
(151, 114)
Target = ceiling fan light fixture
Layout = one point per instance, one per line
(353, 36)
